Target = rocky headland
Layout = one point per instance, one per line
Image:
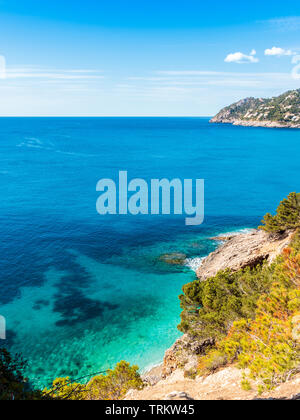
(244, 250)
(278, 112)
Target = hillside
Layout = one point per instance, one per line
(282, 111)
(222, 385)
(241, 324)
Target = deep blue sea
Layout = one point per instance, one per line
(82, 291)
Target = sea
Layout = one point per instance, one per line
(81, 291)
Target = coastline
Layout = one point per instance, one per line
(277, 112)
(154, 372)
(173, 379)
(246, 247)
(254, 123)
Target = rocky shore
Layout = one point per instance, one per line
(176, 377)
(255, 123)
(244, 250)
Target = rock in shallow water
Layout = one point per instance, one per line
(175, 258)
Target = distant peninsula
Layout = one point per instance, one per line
(278, 112)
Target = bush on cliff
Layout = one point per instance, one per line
(295, 243)
(210, 307)
(65, 389)
(268, 345)
(115, 384)
(111, 386)
(286, 217)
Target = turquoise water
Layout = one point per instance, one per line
(80, 291)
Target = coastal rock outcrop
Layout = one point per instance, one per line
(278, 112)
(175, 258)
(183, 354)
(244, 250)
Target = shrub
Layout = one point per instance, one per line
(112, 386)
(65, 389)
(287, 216)
(268, 345)
(210, 307)
(115, 384)
(295, 244)
(214, 360)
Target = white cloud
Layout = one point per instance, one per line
(241, 58)
(278, 52)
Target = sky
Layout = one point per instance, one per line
(144, 57)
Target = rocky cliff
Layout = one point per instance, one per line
(278, 112)
(176, 378)
(244, 250)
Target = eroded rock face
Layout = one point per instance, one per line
(153, 376)
(245, 250)
(184, 354)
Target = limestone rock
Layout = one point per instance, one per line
(183, 354)
(244, 250)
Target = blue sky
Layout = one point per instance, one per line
(146, 57)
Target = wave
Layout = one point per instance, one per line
(234, 233)
(194, 263)
(35, 143)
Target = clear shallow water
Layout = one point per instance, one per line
(81, 292)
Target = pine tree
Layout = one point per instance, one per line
(287, 215)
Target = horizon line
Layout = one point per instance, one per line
(106, 116)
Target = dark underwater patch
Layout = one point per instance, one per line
(76, 308)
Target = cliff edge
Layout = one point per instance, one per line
(243, 250)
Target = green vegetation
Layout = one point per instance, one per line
(284, 109)
(210, 307)
(253, 314)
(287, 216)
(268, 345)
(112, 386)
(13, 384)
(115, 384)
